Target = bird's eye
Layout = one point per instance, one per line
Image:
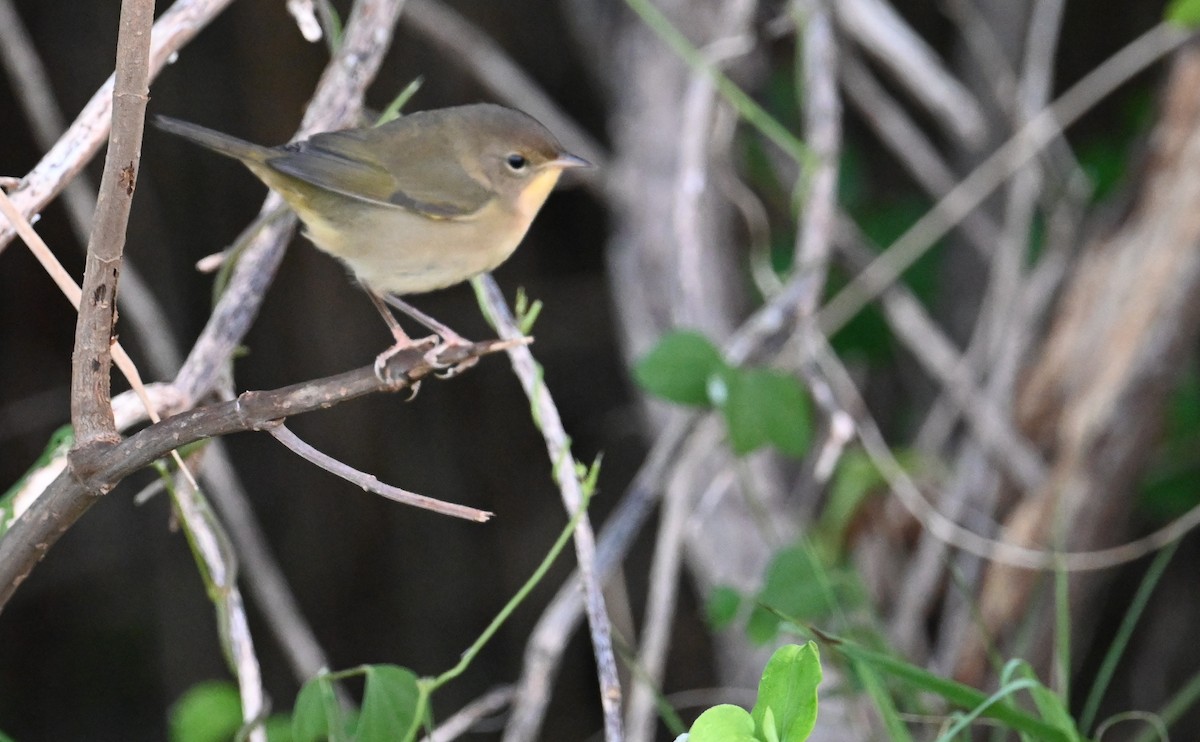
(516, 162)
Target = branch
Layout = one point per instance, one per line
(370, 483)
(559, 448)
(91, 398)
(67, 497)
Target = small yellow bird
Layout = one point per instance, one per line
(423, 202)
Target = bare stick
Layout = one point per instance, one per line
(563, 462)
(371, 483)
(91, 403)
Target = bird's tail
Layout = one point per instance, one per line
(216, 141)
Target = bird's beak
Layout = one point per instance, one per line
(566, 161)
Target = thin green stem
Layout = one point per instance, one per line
(1120, 641)
(559, 544)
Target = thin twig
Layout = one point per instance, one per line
(218, 565)
(563, 462)
(370, 483)
(549, 637)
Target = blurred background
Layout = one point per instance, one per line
(115, 625)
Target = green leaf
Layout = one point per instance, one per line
(724, 723)
(5, 738)
(1184, 13)
(766, 406)
(311, 717)
(762, 626)
(722, 606)
(795, 586)
(207, 712)
(392, 709)
(679, 367)
(788, 692)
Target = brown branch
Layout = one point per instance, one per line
(68, 497)
(371, 483)
(91, 399)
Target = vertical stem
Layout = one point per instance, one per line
(91, 405)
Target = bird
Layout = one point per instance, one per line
(420, 203)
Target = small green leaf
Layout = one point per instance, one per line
(795, 587)
(679, 367)
(392, 709)
(724, 723)
(766, 406)
(762, 626)
(310, 717)
(207, 712)
(788, 692)
(722, 606)
(1184, 13)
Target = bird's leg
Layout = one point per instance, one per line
(450, 338)
(403, 341)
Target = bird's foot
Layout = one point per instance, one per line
(457, 354)
(404, 355)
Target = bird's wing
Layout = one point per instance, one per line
(345, 162)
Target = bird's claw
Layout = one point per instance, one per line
(448, 358)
